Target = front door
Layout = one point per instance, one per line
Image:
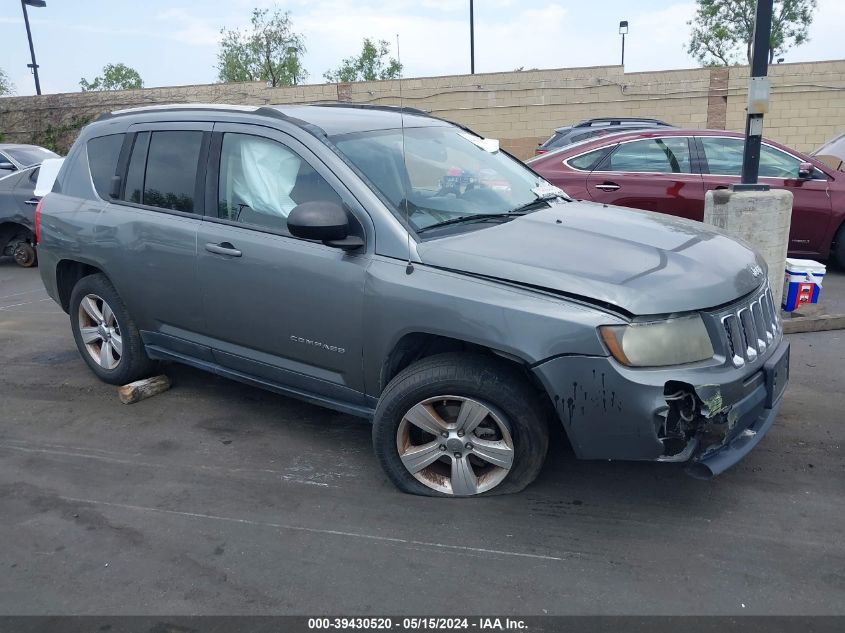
(655, 174)
(811, 207)
(281, 308)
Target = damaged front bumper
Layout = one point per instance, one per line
(707, 416)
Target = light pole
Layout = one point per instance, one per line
(33, 65)
(623, 31)
(758, 96)
(471, 40)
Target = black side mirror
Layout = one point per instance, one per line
(805, 171)
(7, 166)
(324, 221)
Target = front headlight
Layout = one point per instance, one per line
(658, 343)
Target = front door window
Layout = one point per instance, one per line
(261, 181)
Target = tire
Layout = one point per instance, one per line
(104, 322)
(839, 247)
(24, 255)
(457, 389)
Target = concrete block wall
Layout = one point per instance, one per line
(519, 108)
(807, 105)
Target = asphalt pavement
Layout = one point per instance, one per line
(219, 498)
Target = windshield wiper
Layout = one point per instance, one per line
(539, 200)
(473, 217)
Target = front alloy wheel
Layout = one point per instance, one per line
(100, 331)
(455, 445)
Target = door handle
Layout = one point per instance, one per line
(223, 248)
(608, 186)
(33, 201)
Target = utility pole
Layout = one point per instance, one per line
(758, 96)
(33, 65)
(471, 40)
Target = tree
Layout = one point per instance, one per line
(268, 50)
(114, 77)
(6, 86)
(723, 29)
(370, 65)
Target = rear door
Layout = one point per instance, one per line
(811, 210)
(282, 308)
(24, 194)
(656, 174)
(151, 231)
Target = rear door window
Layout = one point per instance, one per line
(670, 155)
(103, 152)
(163, 169)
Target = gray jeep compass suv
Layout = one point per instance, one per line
(397, 267)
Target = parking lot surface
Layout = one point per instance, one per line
(219, 498)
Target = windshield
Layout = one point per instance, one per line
(448, 174)
(835, 147)
(27, 156)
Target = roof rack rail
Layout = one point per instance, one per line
(372, 106)
(619, 119)
(178, 107)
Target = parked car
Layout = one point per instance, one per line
(832, 153)
(592, 128)
(17, 215)
(15, 156)
(670, 170)
(447, 293)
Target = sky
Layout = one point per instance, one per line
(175, 42)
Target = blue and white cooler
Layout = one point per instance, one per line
(802, 282)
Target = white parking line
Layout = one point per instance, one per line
(129, 459)
(386, 540)
(25, 303)
(24, 292)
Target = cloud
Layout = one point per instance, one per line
(192, 29)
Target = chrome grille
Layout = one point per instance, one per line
(750, 328)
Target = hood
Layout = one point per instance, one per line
(639, 261)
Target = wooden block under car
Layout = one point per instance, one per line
(142, 389)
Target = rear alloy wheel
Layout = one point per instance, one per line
(24, 255)
(455, 445)
(105, 334)
(100, 331)
(460, 425)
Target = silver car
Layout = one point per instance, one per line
(16, 156)
(394, 266)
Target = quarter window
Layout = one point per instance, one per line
(163, 169)
(668, 155)
(588, 161)
(103, 152)
(261, 181)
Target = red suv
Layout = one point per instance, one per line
(670, 170)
